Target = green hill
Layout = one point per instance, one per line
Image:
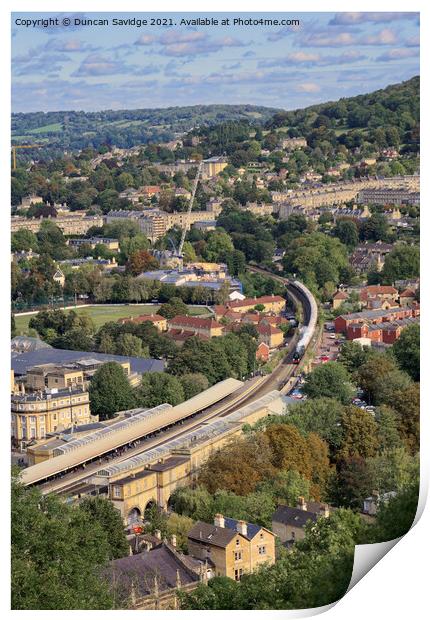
(394, 109)
(126, 128)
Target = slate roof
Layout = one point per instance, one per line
(141, 570)
(251, 528)
(193, 322)
(22, 362)
(27, 343)
(293, 516)
(211, 534)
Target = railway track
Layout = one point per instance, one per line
(75, 482)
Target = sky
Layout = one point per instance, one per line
(98, 67)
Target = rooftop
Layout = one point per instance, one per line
(21, 362)
(194, 322)
(148, 571)
(293, 516)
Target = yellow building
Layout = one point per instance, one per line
(73, 224)
(289, 523)
(133, 486)
(35, 415)
(50, 376)
(133, 494)
(272, 303)
(213, 166)
(181, 328)
(68, 375)
(233, 547)
(270, 335)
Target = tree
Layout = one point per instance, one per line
(359, 434)
(57, 552)
(395, 518)
(218, 243)
(157, 388)
(407, 351)
(239, 466)
(131, 245)
(172, 308)
(140, 261)
(320, 464)
(289, 448)
(347, 232)
(179, 525)
(407, 405)
(329, 380)
(394, 381)
(352, 483)
(372, 375)
(353, 355)
(316, 258)
(24, 240)
(195, 503)
(402, 263)
(193, 384)
(286, 487)
(318, 415)
(388, 422)
(130, 346)
(102, 511)
(374, 228)
(110, 391)
(392, 470)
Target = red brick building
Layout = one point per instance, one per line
(375, 296)
(370, 317)
(263, 352)
(386, 332)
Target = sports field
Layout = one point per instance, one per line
(104, 313)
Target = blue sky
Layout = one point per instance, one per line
(330, 55)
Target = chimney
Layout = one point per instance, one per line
(157, 534)
(173, 540)
(302, 505)
(242, 528)
(324, 510)
(219, 520)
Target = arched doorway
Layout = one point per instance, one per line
(150, 511)
(134, 516)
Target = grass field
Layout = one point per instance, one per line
(52, 127)
(102, 314)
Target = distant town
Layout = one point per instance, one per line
(215, 357)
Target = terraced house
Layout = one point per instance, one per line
(233, 547)
(36, 415)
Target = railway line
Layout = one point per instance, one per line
(71, 478)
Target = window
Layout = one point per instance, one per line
(237, 542)
(238, 574)
(117, 491)
(237, 555)
(262, 550)
(293, 535)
